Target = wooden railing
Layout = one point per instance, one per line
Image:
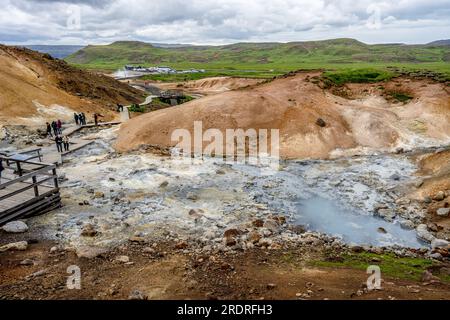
(38, 176)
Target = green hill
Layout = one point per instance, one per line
(266, 59)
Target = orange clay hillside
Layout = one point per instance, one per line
(357, 119)
(34, 88)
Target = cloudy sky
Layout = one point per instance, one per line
(221, 21)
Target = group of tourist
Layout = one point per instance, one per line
(80, 119)
(54, 129)
(62, 143)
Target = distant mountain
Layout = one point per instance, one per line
(59, 51)
(440, 43)
(248, 56)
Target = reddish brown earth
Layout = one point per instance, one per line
(34, 87)
(169, 273)
(361, 117)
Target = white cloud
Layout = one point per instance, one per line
(223, 21)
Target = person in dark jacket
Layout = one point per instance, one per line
(75, 116)
(83, 116)
(59, 143)
(55, 128)
(49, 130)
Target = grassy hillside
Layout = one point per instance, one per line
(267, 59)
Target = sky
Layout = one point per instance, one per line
(83, 22)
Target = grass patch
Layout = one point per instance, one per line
(390, 265)
(136, 108)
(400, 96)
(357, 76)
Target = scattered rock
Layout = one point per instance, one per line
(26, 262)
(191, 196)
(439, 243)
(123, 259)
(148, 250)
(164, 184)
(181, 245)
(382, 230)
(254, 237)
(357, 249)
(395, 177)
(99, 194)
(427, 276)
(15, 227)
(89, 252)
(271, 286)
(19, 246)
(418, 184)
(443, 212)
(427, 199)
(137, 295)
(89, 231)
(423, 233)
(258, 223)
(439, 196)
(407, 224)
(220, 171)
(321, 123)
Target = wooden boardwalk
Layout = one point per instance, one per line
(34, 191)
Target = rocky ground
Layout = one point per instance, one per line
(141, 226)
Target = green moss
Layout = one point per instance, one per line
(390, 265)
(401, 96)
(357, 76)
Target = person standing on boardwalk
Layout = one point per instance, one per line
(55, 128)
(66, 143)
(59, 143)
(49, 130)
(75, 116)
(83, 116)
(59, 125)
(96, 115)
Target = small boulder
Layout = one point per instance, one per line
(443, 212)
(19, 246)
(89, 252)
(164, 184)
(137, 295)
(439, 196)
(89, 231)
(321, 123)
(122, 259)
(439, 243)
(423, 233)
(15, 227)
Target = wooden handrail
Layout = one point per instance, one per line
(28, 176)
(31, 185)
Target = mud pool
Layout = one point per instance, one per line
(152, 196)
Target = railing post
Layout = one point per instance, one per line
(19, 169)
(36, 188)
(55, 178)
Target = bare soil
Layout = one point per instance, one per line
(365, 119)
(169, 273)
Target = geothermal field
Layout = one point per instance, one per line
(362, 179)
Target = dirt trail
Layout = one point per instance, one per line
(293, 104)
